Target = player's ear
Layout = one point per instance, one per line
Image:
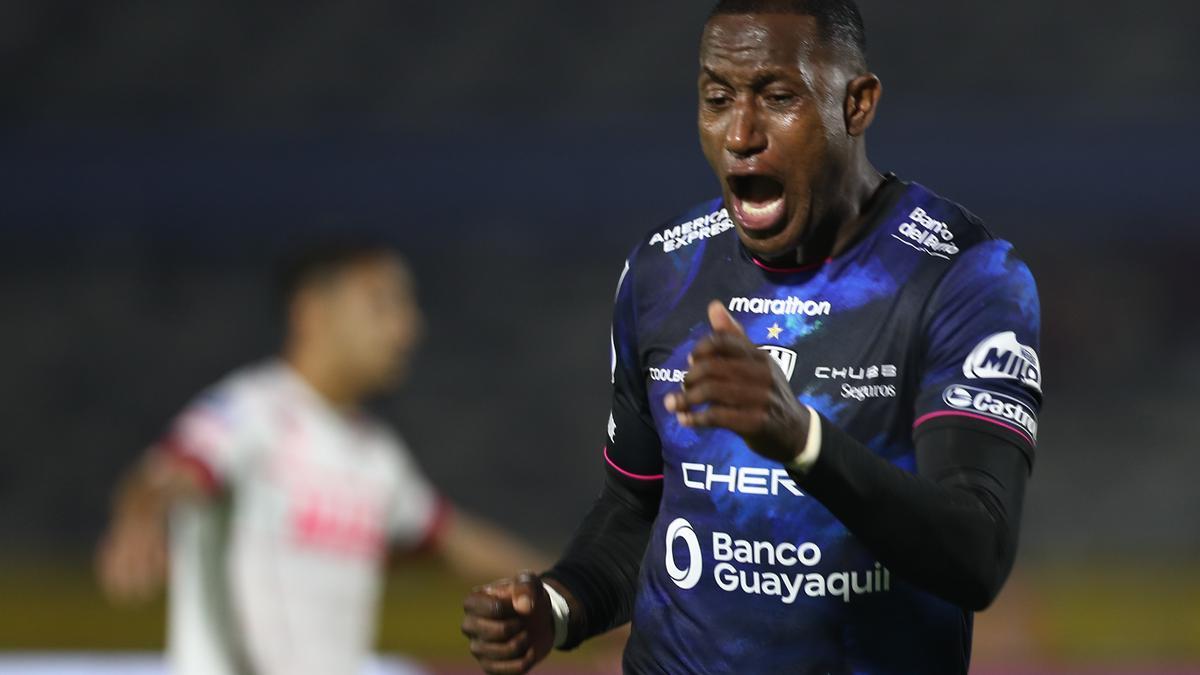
(862, 97)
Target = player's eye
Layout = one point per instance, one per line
(781, 98)
(717, 100)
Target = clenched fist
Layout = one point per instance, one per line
(510, 624)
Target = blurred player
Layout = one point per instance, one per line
(284, 496)
(825, 390)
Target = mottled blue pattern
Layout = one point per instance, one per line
(896, 302)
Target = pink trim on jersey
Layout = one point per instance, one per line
(943, 413)
(623, 472)
(785, 270)
(200, 468)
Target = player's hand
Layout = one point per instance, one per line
(731, 384)
(509, 624)
(131, 561)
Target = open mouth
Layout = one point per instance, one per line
(758, 201)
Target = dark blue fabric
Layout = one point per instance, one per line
(925, 317)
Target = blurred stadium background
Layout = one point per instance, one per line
(155, 157)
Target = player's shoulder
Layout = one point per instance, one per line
(230, 408)
(255, 381)
(938, 228)
(667, 252)
(682, 234)
(963, 259)
(946, 235)
(242, 393)
(678, 240)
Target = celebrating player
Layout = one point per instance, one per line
(284, 495)
(825, 397)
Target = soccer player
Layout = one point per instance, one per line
(283, 496)
(825, 397)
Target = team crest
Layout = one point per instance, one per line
(786, 358)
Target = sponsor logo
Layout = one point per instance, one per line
(885, 371)
(866, 391)
(747, 480)
(991, 404)
(786, 358)
(686, 234)
(349, 525)
(673, 375)
(1000, 356)
(780, 306)
(927, 234)
(689, 575)
(739, 567)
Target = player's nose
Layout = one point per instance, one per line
(744, 135)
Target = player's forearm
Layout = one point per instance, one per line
(951, 530)
(139, 498)
(478, 550)
(598, 572)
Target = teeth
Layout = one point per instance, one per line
(763, 209)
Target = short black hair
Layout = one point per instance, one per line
(838, 21)
(317, 261)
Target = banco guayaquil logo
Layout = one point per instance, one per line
(689, 575)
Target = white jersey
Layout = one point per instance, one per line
(281, 571)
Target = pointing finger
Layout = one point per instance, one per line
(722, 321)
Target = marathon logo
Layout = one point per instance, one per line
(780, 306)
(686, 234)
(991, 404)
(1000, 356)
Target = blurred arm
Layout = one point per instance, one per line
(132, 555)
(478, 550)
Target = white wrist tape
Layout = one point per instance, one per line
(561, 612)
(812, 445)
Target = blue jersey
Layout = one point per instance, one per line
(926, 320)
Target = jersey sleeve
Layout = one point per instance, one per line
(214, 435)
(417, 512)
(633, 449)
(981, 367)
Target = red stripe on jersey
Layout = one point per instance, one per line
(173, 448)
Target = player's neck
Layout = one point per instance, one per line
(861, 191)
(844, 220)
(322, 377)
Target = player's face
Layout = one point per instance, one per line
(771, 125)
(375, 321)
